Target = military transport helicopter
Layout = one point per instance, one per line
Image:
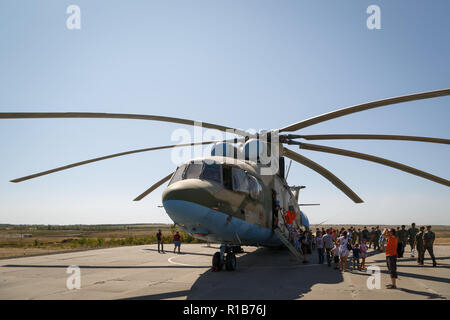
(227, 197)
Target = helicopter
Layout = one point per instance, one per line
(238, 195)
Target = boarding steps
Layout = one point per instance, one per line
(288, 244)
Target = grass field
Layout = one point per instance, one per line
(26, 240)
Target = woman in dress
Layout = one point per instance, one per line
(343, 251)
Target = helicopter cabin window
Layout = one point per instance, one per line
(211, 172)
(178, 175)
(193, 171)
(227, 177)
(255, 188)
(240, 180)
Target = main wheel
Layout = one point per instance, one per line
(230, 262)
(216, 262)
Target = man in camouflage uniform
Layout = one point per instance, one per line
(372, 237)
(365, 234)
(420, 246)
(428, 239)
(412, 237)
(402, 235)
(354, 236)
(377, 238)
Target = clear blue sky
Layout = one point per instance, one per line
(248, 64)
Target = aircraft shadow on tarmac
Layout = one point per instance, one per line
(64, 266)
(182, 252)
(262, 275)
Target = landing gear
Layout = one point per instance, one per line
(226, 256)
(217, 262)
(230, 262)
(236, 249)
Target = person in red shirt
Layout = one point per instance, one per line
(290, 216)
(176, 242)
(391, 257)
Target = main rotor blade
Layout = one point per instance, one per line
(363, 107)
(374, 137)
(323, 172)
(40, 115)
(153, 187)
(76, 164)
(368, 157)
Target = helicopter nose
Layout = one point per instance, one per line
(192, 190)
(183, 191)
(188, 203)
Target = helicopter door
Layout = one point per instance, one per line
(274, 209)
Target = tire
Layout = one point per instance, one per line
(230, 262)
(216, 262)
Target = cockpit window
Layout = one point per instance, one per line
(211, 172)
(193, 171)
(255, 188)
(240, 181)
(178, 175)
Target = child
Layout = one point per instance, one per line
(335, 252)
(356, 253)
(363, 249)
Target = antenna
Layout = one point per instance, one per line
(289, 168)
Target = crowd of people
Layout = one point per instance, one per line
(338, 246)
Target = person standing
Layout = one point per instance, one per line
(159, 237)
(391, 257)
(428, 239)
(412, 238)
(310, 242)
(334, 234)
(360, 238)
(355, 258)
(335, 252)
(328, 244)
(343, 251)
(354, 235)
(372, 238)
(319, 245)
(365, 234)
(384, 239)
(402, 236)
(176, 242)
(363, 249)
(377, 236)
(305, 245)
(420, 247)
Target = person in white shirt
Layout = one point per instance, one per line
(328, 244)
(343, 251)
(319, 246)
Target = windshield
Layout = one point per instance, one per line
(211, 172)
(193, 171)
(178, 175)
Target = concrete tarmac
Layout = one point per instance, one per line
(140, 272)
